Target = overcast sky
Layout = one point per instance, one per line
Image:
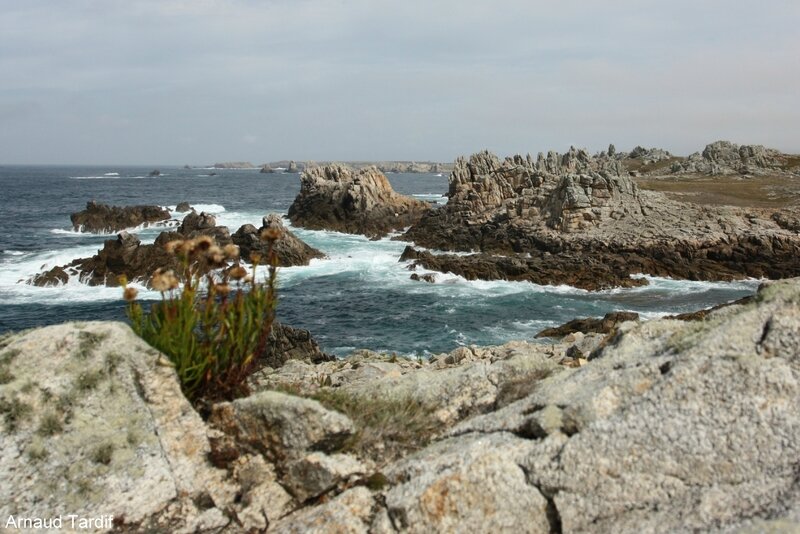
(198, 81)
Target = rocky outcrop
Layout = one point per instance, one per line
(94, 422)
(183, 207)
(605, 325)
(286, 343)
(234, 165)
(154, 173)
(292, 168)
(103, 218)
(666, 426)
(266, 169)
(543, 215)
(289, 248)
(724, 157)
(338, 198)
(126, 255)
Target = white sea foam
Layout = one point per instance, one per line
(111, 174)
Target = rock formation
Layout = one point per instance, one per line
(125, 255)
(154, 173)
(183, 207)
(606, 325)
(107, 219)
(724, 157)
(290, 249)
(662, 426)
(286, 343)
(338, 198)
(556, 212)
(292, 168)
(234, 165)
(266, 169)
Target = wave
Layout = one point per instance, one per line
(111, 174)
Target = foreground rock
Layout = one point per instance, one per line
(289, 248)
(572, 218)
(338, 198)
(670, 426)
(103, 218)
(94, 422)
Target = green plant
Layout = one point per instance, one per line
(213, 321)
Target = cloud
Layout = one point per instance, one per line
(374, 79)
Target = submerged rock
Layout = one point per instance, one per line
(105, 219)
(338, 198)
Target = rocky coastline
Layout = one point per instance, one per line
(658, 426)
(127, 256)
(578, 218)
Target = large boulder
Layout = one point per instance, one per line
(338, 198)
(289, 248)
(103, 218)
(94, 422)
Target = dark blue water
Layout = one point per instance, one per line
(361, 297)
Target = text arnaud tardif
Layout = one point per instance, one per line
(72, 521)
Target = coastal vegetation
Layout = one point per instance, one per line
(211, 327)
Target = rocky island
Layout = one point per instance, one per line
(336, 197)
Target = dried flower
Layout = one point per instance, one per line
(164, 280)
(237, 272)
(173, 245)
(122, 280)
(130, 294)
(231, 251)
(270, 234)
(256, 257)
(203, 243)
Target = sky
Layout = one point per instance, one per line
(201, 81)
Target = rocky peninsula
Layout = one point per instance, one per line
(658, 426)
(102, 218)
(582, 220)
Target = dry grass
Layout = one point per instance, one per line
(729, 190)
(386, 429)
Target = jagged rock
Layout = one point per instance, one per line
(787, 219)
(700, 315)
(124, 255)
(282, 426)
(289, 248)
(317, 473)
(54, 277)
(127, 256)
(473, 482)
(349, 512)
(104, 218)
(286, 343)
(266, 169)
(550, 215)
(724, 157)
(590, 325)
(361, 202)
(101, 426)
(429, 277)
(154, 172)
(183, 207)
(292, 168)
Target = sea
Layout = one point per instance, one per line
(361, 296)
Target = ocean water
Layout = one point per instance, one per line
(361, 297)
